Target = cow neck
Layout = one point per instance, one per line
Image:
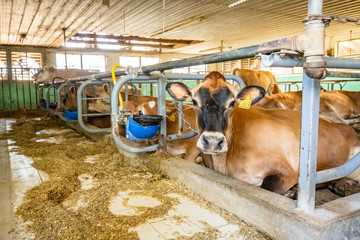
(220, 163)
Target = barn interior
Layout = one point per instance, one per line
(68, 178)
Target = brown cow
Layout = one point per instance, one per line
(336, 106)
(257, 145)
(48, 73)
(258, 78)
(286, 100)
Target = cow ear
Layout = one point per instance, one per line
(106, 88)
(72, 89)
(256, 93)
(52, 69)
(178, 91)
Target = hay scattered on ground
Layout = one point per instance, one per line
(47, 205)
(23, 113)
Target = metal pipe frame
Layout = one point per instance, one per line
(59, 101)
(47, 99)
(314, 60)
(82, 106)
(41, 92)
(277, 60)
(161, 80)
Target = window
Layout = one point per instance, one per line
(349, 48)
(81, 61)
(145, 61)
(73, 61)
(3, 68)
(129, 61)
(25, 64)
(94, 62)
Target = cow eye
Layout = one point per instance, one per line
(194, 102)
(232, 104)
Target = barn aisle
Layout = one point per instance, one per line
(65, 186)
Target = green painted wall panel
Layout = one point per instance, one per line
(17, 94)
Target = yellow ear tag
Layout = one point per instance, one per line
(172, 118)
(246, 103)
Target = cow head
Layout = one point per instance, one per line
(69, 99)
(214, 99)
(45, 74)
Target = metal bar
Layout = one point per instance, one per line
(343, 74)
(115, 117)
(180, 119)
(23, 89)
(275, 60)
(2, 88)
(314, 52)
(335, 173)
(96, 114)
(308, 143)
(9, 68)
(174, 137)
(86, 98)
(162, 109)
(234, 54)
(82, 107)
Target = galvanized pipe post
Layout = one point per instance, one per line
(162, 109)
(314, 70)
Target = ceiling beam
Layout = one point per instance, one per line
(120, 44)
(137, 38)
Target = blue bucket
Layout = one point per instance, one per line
(51, 105)
(71, 115)
(135, 131)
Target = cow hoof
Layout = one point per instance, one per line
(198, 160)
(344, 187)
(291, 193)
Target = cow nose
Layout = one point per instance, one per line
(212, 142)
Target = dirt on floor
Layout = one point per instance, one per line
(60, 209)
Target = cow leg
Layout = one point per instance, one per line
(279, 183)
(191, 153)
(207, 160)
(344, 187)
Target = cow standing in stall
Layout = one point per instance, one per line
(258, 78)
(257, 145)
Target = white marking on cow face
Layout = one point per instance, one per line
(152, 104)
(213, 143)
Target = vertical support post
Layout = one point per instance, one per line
(314, 70)
(84, 102)
(162, 110)
(180, 108)
(308, 143)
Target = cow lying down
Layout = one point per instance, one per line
(257, 145)
(336, 106)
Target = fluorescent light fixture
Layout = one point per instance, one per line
(234, 4)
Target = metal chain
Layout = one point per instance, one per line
(187, 125)
(327, 18)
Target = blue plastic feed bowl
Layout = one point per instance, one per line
(135, 131)
(71, 115)
(51, 105)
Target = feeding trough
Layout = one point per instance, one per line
(142, 127)
(71, 115)
(44, 104)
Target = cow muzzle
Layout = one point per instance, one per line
(213, 143)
